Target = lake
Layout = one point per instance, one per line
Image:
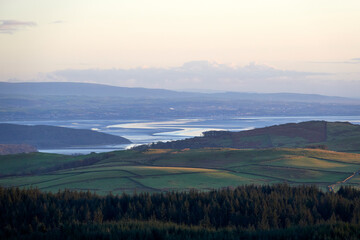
(146, 131)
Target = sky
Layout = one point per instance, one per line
(250, 46)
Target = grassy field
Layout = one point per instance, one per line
(170, 170)
(26, 163)
(336, 136)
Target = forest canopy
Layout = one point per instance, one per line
(250, 211)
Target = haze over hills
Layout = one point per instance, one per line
(100, 90)
(84, 89)
(54, 101)
(42, 136)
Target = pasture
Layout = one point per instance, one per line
(178, 170)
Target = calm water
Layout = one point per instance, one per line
(143, 131)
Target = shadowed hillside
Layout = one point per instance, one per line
(16, 148)
(43, 136)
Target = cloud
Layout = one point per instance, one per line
(11, 26)
(193, 75)
(207, 76)
(351, 61)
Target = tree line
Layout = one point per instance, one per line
(278, 210)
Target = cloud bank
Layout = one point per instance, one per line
(200, 75)
(11, 26)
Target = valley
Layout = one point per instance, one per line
(180, 120)
(177, 164)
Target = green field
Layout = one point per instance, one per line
(335, 136)
(26, 163)
(171, 170)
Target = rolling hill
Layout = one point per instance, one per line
(178, 170)
(337, 136)
(146, 169)
(43, 136)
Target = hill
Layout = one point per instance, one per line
(337, 136)
(42, 136)
(181, 194)
(16, 148)
(84, 89)
(174, 170)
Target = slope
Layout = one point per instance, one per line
(338, 136)
(169, 170)
(42, 136)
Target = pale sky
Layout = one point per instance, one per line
(40, 38)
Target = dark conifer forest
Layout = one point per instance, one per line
(246, 212)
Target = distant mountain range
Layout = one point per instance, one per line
(337, 136)
(42, 136)
(83, 89)
(99, 90)
(66, 100)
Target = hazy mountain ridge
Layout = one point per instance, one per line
(100, 90)
(43, 136)
(81, 89)
(50, 101)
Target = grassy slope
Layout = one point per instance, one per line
(343, 137)
(337, 136)
(166, 170)
(25, 163)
